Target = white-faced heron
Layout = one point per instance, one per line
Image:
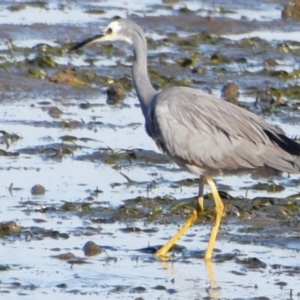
(198, 131)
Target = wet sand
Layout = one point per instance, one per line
(104, 180)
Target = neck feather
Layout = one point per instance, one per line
(143, 86)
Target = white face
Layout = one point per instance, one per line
(112, 33)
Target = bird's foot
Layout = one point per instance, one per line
(162, 255)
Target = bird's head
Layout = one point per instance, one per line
(117, 30)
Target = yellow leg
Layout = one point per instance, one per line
(219, 214)
(162, 252)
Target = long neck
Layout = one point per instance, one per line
(143, 86)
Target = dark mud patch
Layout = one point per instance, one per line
(274, 223)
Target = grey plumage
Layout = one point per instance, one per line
(209, 137)
(198, 131)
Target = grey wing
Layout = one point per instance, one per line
(197, 129)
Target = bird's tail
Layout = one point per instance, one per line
(288, 159)
(288, 145)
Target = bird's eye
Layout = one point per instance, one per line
(109, 31)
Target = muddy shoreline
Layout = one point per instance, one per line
(108, 198)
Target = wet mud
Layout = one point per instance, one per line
(86, 199)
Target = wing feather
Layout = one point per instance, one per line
(195, 130)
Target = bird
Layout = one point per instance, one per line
(199, 132)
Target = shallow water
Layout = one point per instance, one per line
(257, 252)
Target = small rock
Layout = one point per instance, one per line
(9, 227)
(115, 93)
(38, 190)
(61, 285)
(160, 288)
(171, 291)
(84, 105)
(230, 92)
(291, 10)
(54, 112)
(138, 289)
(281, 284)
(91, 248)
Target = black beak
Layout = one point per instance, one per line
(85, 42)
